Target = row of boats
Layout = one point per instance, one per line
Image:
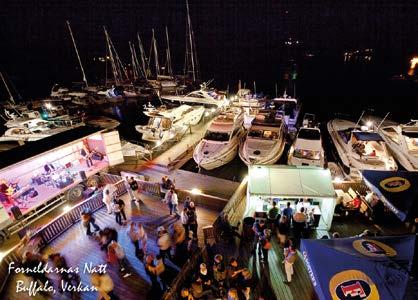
(257, 129)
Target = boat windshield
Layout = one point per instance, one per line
(158, 122)
(412, 143)
(309, 134)
(307, 154)
(263, 134)
(217, 136)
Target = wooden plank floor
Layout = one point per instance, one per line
(79, 249)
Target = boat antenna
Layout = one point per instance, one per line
(358, 121)
(7, 88)
(76, 52)
(380, 124)
(255, 88)
(275, 86)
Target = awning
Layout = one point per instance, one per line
(359, 268)
(397, 189)
(290, 181)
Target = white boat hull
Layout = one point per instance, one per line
(273, 154)
(345, 154)
(213, 162)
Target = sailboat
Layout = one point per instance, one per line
(167, 124)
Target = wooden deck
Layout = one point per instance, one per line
(80, 249)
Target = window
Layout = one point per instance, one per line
(217, 136)
(309, 134)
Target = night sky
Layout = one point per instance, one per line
(235, 39)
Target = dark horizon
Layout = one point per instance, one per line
(235, 39)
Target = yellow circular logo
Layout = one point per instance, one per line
(395, 184)
(373, 248)
(352, 284)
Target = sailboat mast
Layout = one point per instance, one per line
(157, 65)
(114, 68)
(7, 88)
(134, 69)
(189, 29)
(78, 55)
(143, 58)
(169, 67)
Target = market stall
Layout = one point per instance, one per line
(309, 187)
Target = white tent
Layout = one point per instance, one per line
(285, 183)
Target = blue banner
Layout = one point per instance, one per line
(397, 189)
(359, 268)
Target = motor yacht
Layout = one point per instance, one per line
(359, 148)
(265, 140)
(220, 144)
(203, 96)
(402, 141)
(250, 103)
(289, 106)
(36, 129)
(307, 148)
(167, 124)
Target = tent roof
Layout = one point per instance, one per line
(365, 267)
(397, 189)
(290, 181)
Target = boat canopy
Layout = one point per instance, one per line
(361, 268)
(367, 136)
(290, 181)
(397, 189)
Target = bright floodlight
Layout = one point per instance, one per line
(196, 191)
(338, 179)
(369, 124)
(66, 208)
(48, 105)
(206, 113)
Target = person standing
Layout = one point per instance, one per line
(299, 223)
(129, 188)
(272, 215)
(107, 198)
(172, 201)
(289, 260)
(288, 212)
(121, 204)
(265, 245)
(135, 188)
(116, 211)
(192, 219)
(133, 236)
(184, 219)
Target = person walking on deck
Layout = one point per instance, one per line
(107, 198)
(87, 220)
(117, 212)
(164, 243)
(116, 249)
(135, 188)
(104, 285)
(129, 188)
